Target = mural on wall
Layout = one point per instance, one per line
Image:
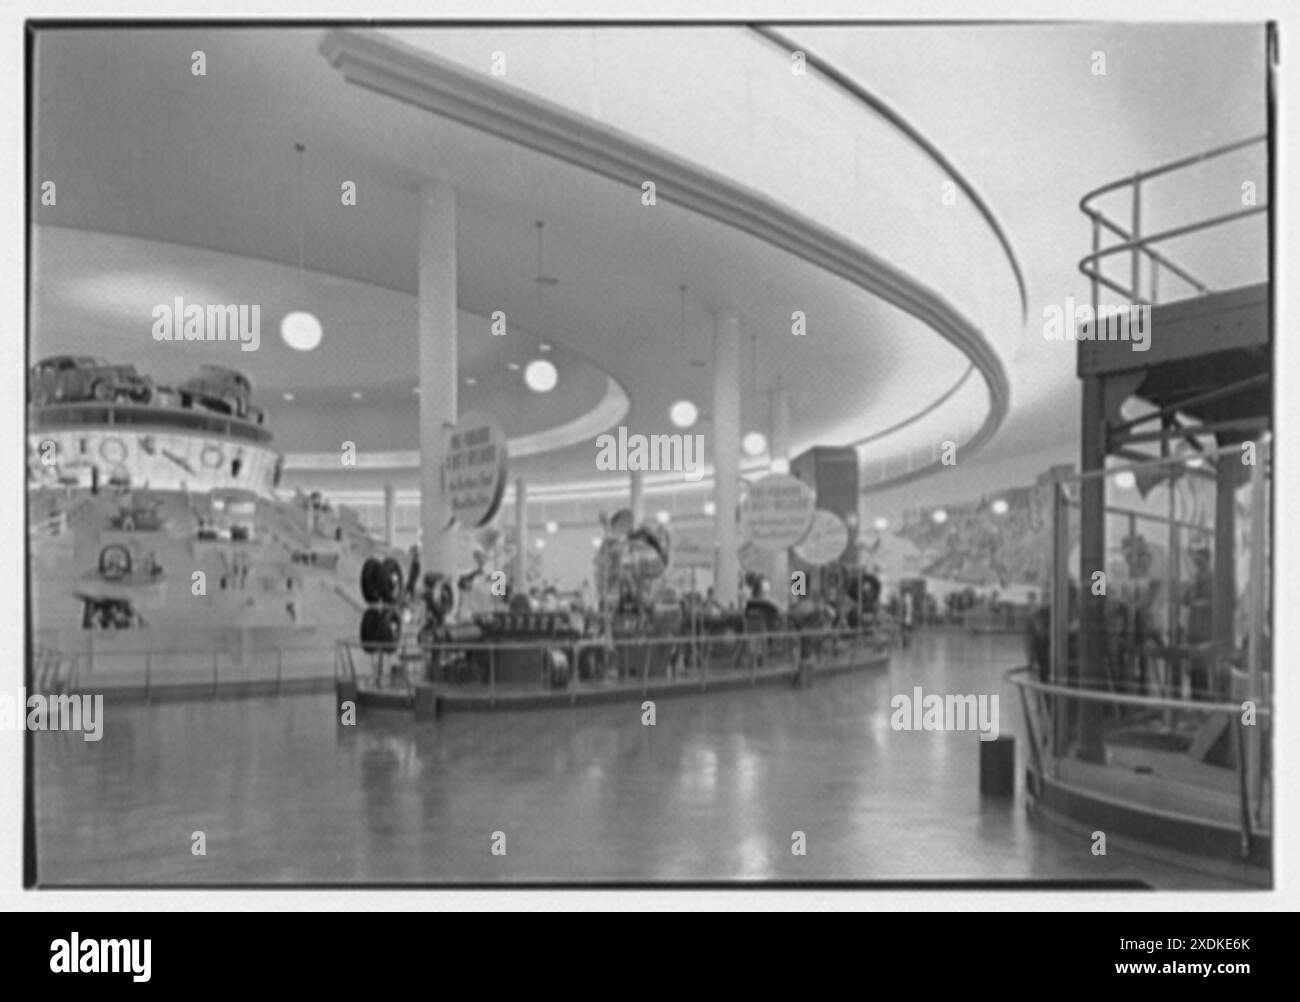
(980, 547)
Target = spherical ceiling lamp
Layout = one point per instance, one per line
(683, 414)
(541, 376)
(780, 466)
(754, 443)
(300, 330)
(1125, 480)
(999, 507)
(940, 516)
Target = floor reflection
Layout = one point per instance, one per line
(715, 790)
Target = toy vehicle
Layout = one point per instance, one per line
(222, 390)
(73, 378)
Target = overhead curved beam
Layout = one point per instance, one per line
(859, 93)
(426, 81)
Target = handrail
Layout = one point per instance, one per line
(1172, 165)
(1023, 677)
(1137, 244)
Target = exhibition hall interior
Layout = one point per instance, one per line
(531, 454)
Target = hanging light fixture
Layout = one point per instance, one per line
(299, 329)
(540, 375)
(683, 413)
(754, 443)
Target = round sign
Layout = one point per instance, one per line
(826, 539)
(474, 471)
(777, 512)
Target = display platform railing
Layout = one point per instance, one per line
(589, 665)
(1160, 720)
(1184, 770)
(89, 414)
(148, 675)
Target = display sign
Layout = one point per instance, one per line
(777, 512)
(474, 472)
(825, 541)
(693, 546)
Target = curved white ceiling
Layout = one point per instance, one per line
(152, 163)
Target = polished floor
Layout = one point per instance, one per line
(714, 791)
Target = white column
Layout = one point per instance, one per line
(779, 448)
(520, 575)
(438, 365)
(726, 454)
(390, 515)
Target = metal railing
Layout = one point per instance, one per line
(85, 414)
(271, 670)
(1049, 748)
(1139, 245)
(594, 663)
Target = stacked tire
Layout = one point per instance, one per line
(381, 589)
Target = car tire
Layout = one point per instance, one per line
(389, 581)
(370, 631)
(370, 572)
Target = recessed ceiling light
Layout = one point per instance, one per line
(471, 381)
(683, 414)
(710, 508)
(881, 524)
(543, 346)
(541, 376)
(552, 527)
(754, 443)
(300, 330)
(415, 390)
(596, 541)
(940, 516)
(662, 517)
(512, 366)
(356, 394)
(999, 507)
(540, 544)
(288, 396)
